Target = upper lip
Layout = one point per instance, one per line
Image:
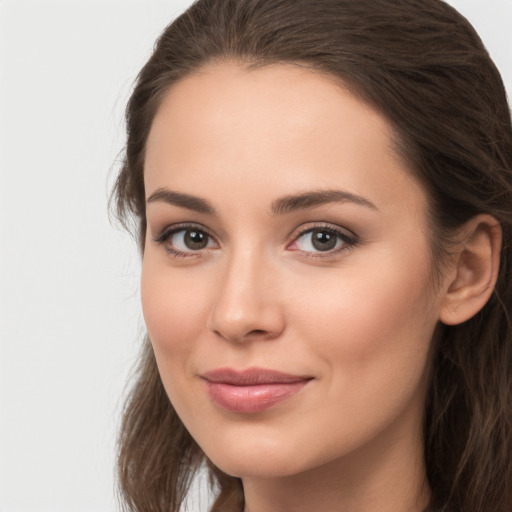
(251, 376)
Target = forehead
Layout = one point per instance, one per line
(281, 125)
(226, 100)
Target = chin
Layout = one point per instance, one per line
(263, 457)
(259, 467)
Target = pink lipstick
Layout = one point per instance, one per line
(252, 390)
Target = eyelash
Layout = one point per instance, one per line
(168, 232)
(349, 241)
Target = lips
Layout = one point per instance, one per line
(252, 390)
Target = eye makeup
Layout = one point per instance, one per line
(313, 240)
(319, 240)
(185, 240)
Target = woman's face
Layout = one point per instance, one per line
(286, 275)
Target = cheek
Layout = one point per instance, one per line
(172, 308)
(175, 307)
(373, 332)
(172, 316)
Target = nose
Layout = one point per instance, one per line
(246, 303)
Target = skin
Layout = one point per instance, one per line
(358, 319)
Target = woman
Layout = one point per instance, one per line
(323, 193)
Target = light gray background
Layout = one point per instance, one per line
(70, 319)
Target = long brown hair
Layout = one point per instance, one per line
(423, 66)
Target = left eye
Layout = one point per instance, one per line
(321, 240)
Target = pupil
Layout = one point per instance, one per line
(323, 240)
(196, 240)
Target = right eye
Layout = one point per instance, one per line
(185, 241)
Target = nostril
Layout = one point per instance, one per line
(256, 332)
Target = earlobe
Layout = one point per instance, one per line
(474, 272)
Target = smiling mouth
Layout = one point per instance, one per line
(252, 390)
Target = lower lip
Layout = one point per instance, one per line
(252, 399)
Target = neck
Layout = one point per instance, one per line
(386, 475)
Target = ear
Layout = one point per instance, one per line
(474, 271)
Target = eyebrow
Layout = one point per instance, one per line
(187, 201)
(281, 206)
(314, 198)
